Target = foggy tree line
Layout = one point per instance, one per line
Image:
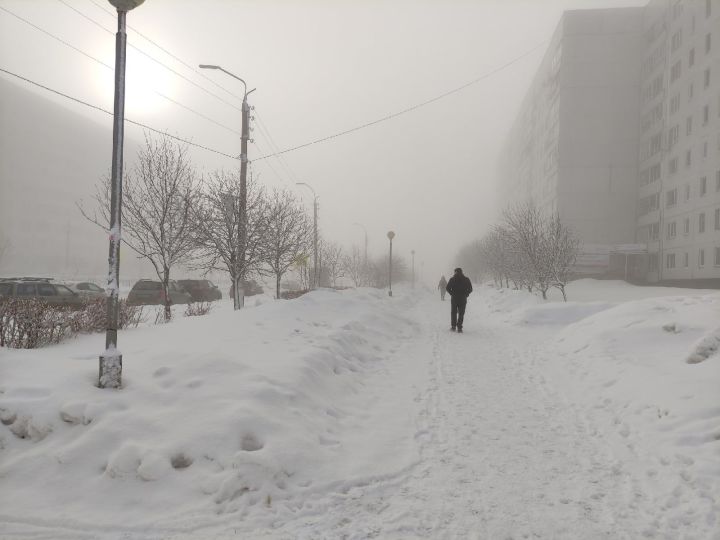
(172, 216)
(527, 249)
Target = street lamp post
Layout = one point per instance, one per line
(413, 268)
(315, 232)
(111, 359)
(238, 299)
(390, 236)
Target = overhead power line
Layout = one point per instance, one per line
(140, 124)
(166, 51)
(159, 62)
(111, 68)
(408, 109)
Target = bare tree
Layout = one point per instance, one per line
(156, 213)
(287, 235)
(332, 257)
(526, 229)
(561, 249)
(353, 265)
(216, 219)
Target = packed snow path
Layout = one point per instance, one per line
(500, 455)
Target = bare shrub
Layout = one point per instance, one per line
(32, 323)
(197, 309)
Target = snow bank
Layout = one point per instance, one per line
(230, 413)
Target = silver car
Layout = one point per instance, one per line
(86, 289)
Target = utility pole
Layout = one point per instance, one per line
(315, 240)
(111, 359)
(413, 268)
(315, 231)
(390, 236)
(238, 300)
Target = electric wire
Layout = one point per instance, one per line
(129, 121)
(159, 62)
(111, 68)
(166, 51)
(408, 109)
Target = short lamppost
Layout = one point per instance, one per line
(111, 359)
(390, 236)
(238, 295)
(316, 275)
(413, 268)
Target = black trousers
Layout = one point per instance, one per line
(457, 311)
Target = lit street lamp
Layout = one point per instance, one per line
(111, 359)
(238, 300)
(316, 277)
(390, 236)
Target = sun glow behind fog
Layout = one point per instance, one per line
(145, 83)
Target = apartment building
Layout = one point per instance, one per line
(633, 156)
(573, 148)
(679, 159)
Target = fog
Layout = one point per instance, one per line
(319, 69)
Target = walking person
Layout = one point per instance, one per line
(459, 288)
(441, 285)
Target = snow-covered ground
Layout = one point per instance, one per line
(354, 415)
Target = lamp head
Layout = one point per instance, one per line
(125, 5)
(391, 235)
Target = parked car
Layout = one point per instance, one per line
(86, 289)
(40, 289)
(201, 290)
(149, 292)
(250, 288)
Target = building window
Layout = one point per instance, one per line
(688, 125)
(717, 219)
(675, 71)
(706, 114)
(691, 89)
(701, 222)
(708, 43)
(717, 181)
(654, 231)
(687, 192)
(655, 144)
(673, 165)
(717, 256)
(671, 230)
(686, 226)
(688, 158)
(675, 41)
(672, 136)
(708, 8)
(670, 260)
(671, 198)
(705, 149)
(707, 78)
(675, 104)
(691, 57)
(701, 258)
(703, 186)
(686, 260)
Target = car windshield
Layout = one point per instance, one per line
(148, 286)
(92, 287)
(62, 290)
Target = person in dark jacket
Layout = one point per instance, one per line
(459, 288)
(441, 287)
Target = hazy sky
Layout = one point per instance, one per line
(320, 67)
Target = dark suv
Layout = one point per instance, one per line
(148, 292)
(201, 290)
(40, 289)
(250, 288)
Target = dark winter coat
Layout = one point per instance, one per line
(459, 286)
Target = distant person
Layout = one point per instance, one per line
(441, 286)
(459, 288)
